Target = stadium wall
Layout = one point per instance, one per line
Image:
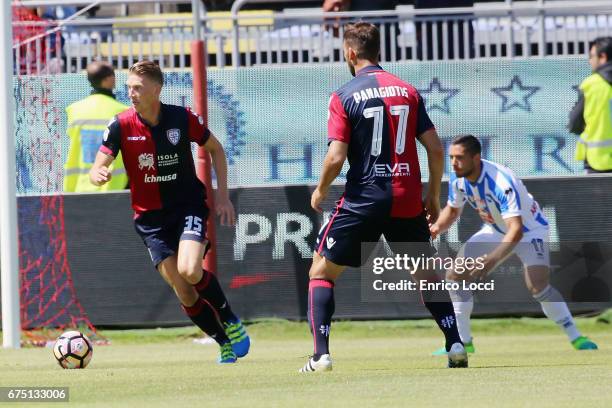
(264, 260)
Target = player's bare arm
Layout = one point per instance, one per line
(332, 165)
(512, 237)
(100, 173)
(435, 160)
(447, 217)
(223, 206)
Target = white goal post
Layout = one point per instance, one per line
(11, 330)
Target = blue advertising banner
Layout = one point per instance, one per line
(273, 120)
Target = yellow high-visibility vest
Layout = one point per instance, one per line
(595, 143)
(87, 121)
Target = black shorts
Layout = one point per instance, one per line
(162, 230)
(340, 239)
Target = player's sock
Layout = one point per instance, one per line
(463, 304)
(210, 290)
(441, 308)
(321, 306)
(555, 308)
(203, 315)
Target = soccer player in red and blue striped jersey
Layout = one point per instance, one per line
(375, 121)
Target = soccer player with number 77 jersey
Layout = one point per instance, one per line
(512, 223)
(169, 200)
(375, 121)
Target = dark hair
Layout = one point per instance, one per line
(364, 38)
(470, 143)
(603, 45)
(148, 69)
(98, 71)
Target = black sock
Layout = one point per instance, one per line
(204, 316)
(321, 306)
(439, 304)
(210, 290)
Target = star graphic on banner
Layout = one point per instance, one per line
(515, 95)
(437, 97)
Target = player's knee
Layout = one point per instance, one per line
(323, 269)
(317, 273)
(535, 288)
(537, 279)
(191, 273)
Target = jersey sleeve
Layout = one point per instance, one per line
(338, 124)
(509, 201)
(456, 197)
(423, 121)
(198, 132)
(111, 140)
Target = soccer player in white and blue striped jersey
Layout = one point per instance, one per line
(512, 223)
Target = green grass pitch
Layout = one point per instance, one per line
(518, 362)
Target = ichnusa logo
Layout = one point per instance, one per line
(392, 170)
(158, 179)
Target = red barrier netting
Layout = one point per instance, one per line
(49, 304)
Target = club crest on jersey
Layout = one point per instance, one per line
(174, 135)
(146, 160)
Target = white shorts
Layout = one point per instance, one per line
(532, 249)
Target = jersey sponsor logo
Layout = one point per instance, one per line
(136, 138)
(330, 242)
(381, 92)
(158, 179)
(174, 135)
(146, 160)
(167, 159)
(395, 170)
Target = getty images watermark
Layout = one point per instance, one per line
(411, 264)
(394, 272)
(580, 271)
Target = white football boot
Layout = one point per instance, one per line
(324, 364)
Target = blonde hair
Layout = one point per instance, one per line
(148, 69)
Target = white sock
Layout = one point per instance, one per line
(555, 308)
(463, 303)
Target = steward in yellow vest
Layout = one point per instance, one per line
(591, 118)
(87, 121)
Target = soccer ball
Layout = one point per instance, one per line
(73, 350)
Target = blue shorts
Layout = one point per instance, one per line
(162, 230)
(340, 239)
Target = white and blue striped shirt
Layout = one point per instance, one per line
(497, 194)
